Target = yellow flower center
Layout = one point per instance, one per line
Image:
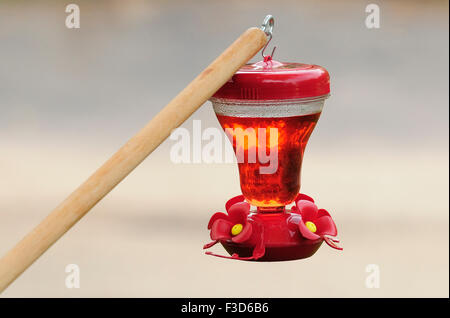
(311, 226)
(236, 229)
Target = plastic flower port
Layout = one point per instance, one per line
(315, 223)
(235, 227)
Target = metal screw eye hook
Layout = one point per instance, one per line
(267, 27)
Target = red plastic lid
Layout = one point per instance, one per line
(274, 80)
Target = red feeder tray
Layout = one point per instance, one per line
(282, 236)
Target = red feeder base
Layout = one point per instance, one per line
(267, 236)
(275, 253)
(281, 239)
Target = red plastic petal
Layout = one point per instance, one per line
(244, 235)
(234, 256)
(220, 230)
(332, 244)
(215, 217)
(306, 233)
(232, 201)
(308, 210)
(323, 212)
(238, 213)
(325, 226)
(259, 250)
(302, 196)
(211, 244)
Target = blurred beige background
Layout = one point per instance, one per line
(378, 159)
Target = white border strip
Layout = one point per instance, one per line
(270, 109)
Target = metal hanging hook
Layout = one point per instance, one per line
(267, 27)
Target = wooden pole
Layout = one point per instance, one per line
(74, 207)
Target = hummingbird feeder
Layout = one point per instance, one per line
(268, 110)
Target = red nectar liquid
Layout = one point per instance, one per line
(271, 192)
